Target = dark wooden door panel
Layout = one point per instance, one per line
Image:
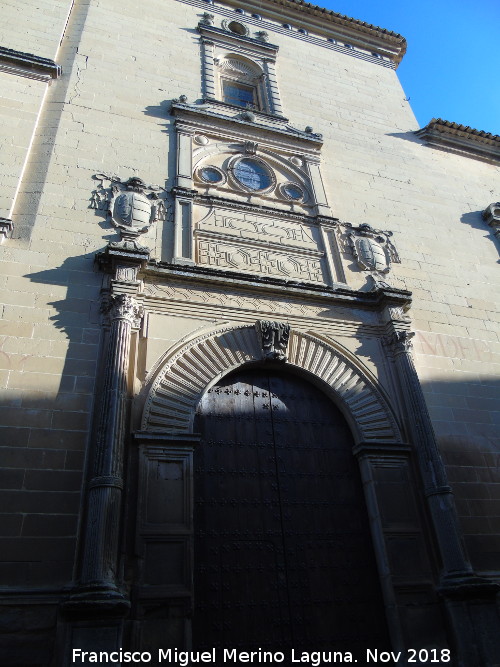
(283, 555)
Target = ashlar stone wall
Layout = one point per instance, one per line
(109, 113)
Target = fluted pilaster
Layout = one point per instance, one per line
(439, 495)
(99, 571)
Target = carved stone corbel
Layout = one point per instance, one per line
(6, 227)
(274, 338)
(491, 215)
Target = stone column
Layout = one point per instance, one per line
(99, 582)
(469, 599)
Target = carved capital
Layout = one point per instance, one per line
(399, 341)
(122, 307)
(274, 338)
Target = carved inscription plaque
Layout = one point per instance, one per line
(241, 241)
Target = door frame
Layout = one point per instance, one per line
(173, 390)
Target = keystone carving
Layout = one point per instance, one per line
(372, 249)
(274, 339)
(131, 206)
(250, 147)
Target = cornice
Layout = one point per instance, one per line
(28, 65)
(461, 139)
(259, 209)
(322, 22)
(265, 49)
(264, 122)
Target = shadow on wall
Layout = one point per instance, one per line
(475, 219)
(44, 424)
(466, 418)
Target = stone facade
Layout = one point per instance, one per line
(148, 225)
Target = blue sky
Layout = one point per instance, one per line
(451, 69)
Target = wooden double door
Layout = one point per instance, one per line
(283, 553)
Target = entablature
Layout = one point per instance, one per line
(318, 26)
(234, 281)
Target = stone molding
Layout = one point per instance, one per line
(186, 372)
(461, 139)
(223, 37)
(248, 207)
(28, 65)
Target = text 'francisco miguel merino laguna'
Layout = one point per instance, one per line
(232, 655)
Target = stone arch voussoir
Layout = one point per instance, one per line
(186, 374)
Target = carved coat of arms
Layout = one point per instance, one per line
(372, 249)
(131, 206)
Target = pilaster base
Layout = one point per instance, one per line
(97, 603)
(473, 615)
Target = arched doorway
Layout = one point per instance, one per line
(283, 553)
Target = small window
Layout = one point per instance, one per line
(239, 10)
(348, 46)
(303, 31)
(252, 174)
(239, 94)
(257, 16)
(332, 41)
(287, 26)
(292, 191)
